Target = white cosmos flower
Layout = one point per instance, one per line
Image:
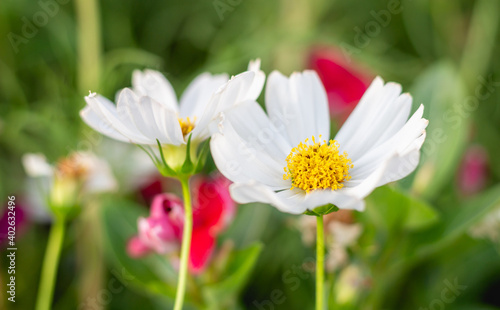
(150, 111)
(270, 161)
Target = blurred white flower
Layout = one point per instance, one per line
(488, 227)
(64, 184)
(36, 165)
(350, 284)
(341, 233)
(344, 234)
(129, 165)
(283, 158)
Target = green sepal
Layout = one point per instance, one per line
(65, 212)
(162, 166)
(322, 210)
(188, 166)
(202, 156)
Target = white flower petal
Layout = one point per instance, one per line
(169, 124)
(256, 192)
(253, 125)
(137, 114)
(401, 166)
(300, 104)
(107, 111)
(339, 198)
(410, 134)
(161, 121)
(368, 123)
(361, 112)
(258, 81)
(151, 119)
(101, 125)
(233, 92)
(292, 201)
(197, 95)
(396, 119)
(154, 84)
(242, 155)
(36, 165)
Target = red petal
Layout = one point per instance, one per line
(202, 247)
(214, 207)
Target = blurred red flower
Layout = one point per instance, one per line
(344, 82)
(161, 232)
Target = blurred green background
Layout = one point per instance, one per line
(440, 51)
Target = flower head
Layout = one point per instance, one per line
(161, 232)
(377, 144)
(65, 183)
(149, 113)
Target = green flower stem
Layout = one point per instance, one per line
(50, 264)
(186, 244)
(89, 44)
(320, 263)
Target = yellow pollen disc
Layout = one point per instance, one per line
(317, 166)
(187, 125)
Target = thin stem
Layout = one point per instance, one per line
(89, 44)
(50, 264)
(186, 244)
(320, 263)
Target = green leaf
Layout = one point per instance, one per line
(223, 294)
(443, 95)
(395, 210)
(455, 223)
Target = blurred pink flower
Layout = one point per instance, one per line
(344, 82)
(161, 232)
(473, 171)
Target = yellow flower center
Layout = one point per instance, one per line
(187, 125)
(317, 166)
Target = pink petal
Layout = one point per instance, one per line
(158, 234)
(473, 171)
(136, 249)
(167, 205)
